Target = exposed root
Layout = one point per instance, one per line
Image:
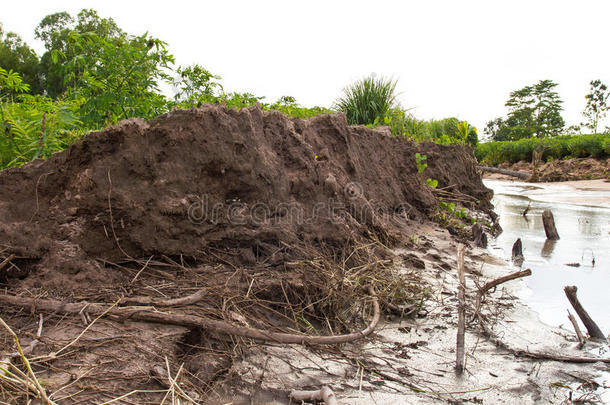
(323, 394)
(211, 325)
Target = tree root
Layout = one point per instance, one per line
(323, 394)
(191, 321)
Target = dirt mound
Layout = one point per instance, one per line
(273, 222)
(192, 181)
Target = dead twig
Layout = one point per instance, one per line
(39, 389)
(581, 338)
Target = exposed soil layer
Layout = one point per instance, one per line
(564, 170)
(279, 219)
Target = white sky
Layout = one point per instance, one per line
(451, 58)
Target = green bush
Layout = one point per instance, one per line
(561, 147)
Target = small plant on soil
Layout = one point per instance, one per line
(421, 166)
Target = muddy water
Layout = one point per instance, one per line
(582, 217)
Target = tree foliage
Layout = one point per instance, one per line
(56, 31)
(17, 56)
(532, 111)
(597, 104)
(116, 77)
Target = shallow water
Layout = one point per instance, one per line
(583, 223)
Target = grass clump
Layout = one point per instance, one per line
(368, 101)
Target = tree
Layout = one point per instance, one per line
(116, 78)
(597, 106)
(533, 111)
(55, 29)
(17, 56)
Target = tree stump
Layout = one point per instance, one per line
(479, 237)
(594, 330)
(549, 225)
(517, 254)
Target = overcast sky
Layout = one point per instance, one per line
(451, 58)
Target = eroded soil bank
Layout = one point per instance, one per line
(560, 170)
(157, 259)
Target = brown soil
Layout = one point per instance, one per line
(280, 220)
(564, 170)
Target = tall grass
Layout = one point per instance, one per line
(367, 101)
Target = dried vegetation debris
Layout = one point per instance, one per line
(273, 223)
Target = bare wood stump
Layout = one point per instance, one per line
(594, 330)
(549, 225)
(517, 253)
(479, 237)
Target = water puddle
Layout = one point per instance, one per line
(582, 217)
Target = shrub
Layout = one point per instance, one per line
(561, 147)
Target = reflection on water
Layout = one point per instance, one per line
(585, 239)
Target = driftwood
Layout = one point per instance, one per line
(581, 338)
(512, 173)
(524, 353)
(594, 330)
(324, 394)
(190, 321)
(549, 225)
(459, 350)
(494, 283)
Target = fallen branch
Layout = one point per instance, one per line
(581, 338)
(172, 302)
(594, 330)
(191, 321)
(517, 352)
(494, 283)
(323, 394)
(512, 173)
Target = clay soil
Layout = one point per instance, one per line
(152, 255)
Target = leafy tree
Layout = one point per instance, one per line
(195, 85)
(368, 100)
(17, 56)
(11, 84)
(116, 78)
(55, 30)
(597, 104)
(533, 111)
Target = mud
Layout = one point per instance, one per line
(562, 170)
(280, 221)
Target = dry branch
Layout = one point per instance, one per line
(191, 321)
(517, 352)
(513, 173)
(581, 338)
(324, 394)
(594, 330)
(459, 364)
(173, 302)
